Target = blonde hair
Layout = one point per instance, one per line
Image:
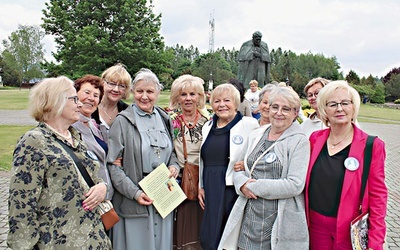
(314, 81)
(48, 98)
(118, 74)
(253, 82)
(328, 90)
(229, 89)
(186, 82)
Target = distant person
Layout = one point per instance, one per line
(254, 61)
(50, 204)
(244, 106)
(253, 95)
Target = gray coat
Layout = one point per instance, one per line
(124, 141)
(290, 228)
(92, 145)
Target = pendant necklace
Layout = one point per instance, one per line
(335, 144)
(105, 112)
(191, 124)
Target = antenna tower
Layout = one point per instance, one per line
(211, 34)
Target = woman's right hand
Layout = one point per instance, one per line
(246, 192)
(201, 197)
(144, 200)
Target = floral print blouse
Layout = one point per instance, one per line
(46, 195)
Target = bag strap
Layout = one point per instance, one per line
(183, 139)
(78, 163)
(367, 164)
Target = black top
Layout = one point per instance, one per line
(215, 150)
(326, 181)
(120, 106)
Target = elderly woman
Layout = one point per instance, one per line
(313, 122)
(270, 210)
(90, 91)
(187, 104)
(263, 106)
(333, 185)
(142, 136)
(50, 204)
(116, 87)
(224, 144)
(253, 95)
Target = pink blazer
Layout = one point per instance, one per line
(375, 197)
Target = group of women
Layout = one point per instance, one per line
(263, 184)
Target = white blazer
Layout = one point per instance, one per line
(238, 145)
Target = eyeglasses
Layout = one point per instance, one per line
(311, 95)
(75, 98)
(113, 84)
(343, 104)
(284, 110)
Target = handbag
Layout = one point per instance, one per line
(106, 210)
(359, 226)
(190, 175)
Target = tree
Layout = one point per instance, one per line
(394, 71)
(393, 86)
(10, 76)
(353, 78)
(94, 35)
(23, 52)
(215, 64)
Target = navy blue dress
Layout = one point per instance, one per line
(219, 198)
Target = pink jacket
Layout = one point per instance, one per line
(375, 197)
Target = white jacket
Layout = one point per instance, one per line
(236, 150)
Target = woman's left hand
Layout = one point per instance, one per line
(173, 172)
(95, 196)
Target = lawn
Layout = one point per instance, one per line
(9, 136)
(14, 99)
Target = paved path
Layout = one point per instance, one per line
(390, 133)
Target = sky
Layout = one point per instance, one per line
(363, 35)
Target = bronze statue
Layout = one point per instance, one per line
(254, 61)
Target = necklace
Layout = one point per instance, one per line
(105, 112)
(66, 137)
(337, 143)
(191, 123)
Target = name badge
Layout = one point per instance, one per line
(270, 157)
(351, 163)
(92, 155)
(237, 139)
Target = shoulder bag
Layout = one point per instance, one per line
(106, 210)
(359, 226)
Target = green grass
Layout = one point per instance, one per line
(14, 99)
(9, 136)
(377, 113)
